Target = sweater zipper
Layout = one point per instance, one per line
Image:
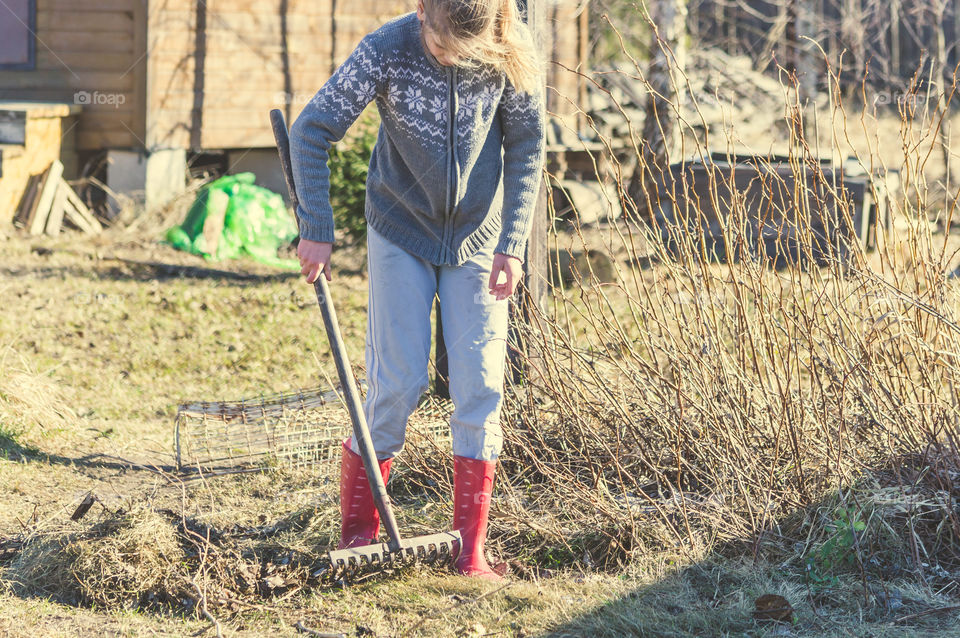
(453, 167)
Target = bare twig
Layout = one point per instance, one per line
(303, 629)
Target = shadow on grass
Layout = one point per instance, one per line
(179, 266)
(135, 270)
(717, 598)
(12, 449)
(880, 559)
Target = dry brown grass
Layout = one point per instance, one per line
(129, 560)
(29, 401)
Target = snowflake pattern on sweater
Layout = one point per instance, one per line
(437, 172)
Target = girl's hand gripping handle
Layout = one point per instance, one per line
(314, 257)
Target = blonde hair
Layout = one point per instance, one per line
(486, 32)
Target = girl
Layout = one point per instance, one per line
(450, 194)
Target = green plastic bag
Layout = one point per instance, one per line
(241, 219)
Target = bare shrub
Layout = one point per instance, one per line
(712, 398)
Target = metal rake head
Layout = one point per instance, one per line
(431, 549)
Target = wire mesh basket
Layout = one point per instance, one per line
(289, 429)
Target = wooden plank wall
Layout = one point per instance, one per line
(250, 54)
(91, 46)
(256, 55)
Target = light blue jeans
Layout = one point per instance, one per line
(402, 289)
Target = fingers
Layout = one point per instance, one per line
(314, 272)
(500, 289)
(494, 275)
(305, 269)
(314, 259)
(508, 286)
(511, 269)
(311, 271)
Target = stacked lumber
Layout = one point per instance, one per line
(49, 201)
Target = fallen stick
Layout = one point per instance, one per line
(927, 612)
(204, 611)
(303, 629)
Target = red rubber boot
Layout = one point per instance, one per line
(472, 486)
(360, 520)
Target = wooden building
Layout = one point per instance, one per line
(160, 80)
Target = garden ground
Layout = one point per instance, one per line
(100, 343)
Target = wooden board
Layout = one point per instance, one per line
(48, 190)
(75, 5)
(86, 21)
(118, 138)
(295, 8)
(114, 41)
(55, 218)
(77, 213)
(25, 208)
(84, 60)
(246, 26)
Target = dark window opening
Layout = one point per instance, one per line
(18, 26)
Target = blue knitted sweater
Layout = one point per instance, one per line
(457, 159)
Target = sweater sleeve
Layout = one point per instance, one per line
(323, 121)
(522, 117)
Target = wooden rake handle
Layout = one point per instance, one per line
(351, 395)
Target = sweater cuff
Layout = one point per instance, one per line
(315, 228)
(512, 246)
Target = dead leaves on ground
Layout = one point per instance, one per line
(771, 607)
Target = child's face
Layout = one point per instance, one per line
(430, 39)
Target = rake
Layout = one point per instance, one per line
(440, 547)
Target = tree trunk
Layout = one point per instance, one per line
(852, 32)
(895, 67)
(803, 55)
(941, 75)
(664, 75)
(536, 262)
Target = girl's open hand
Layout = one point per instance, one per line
(512, 268)
(314, 257)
